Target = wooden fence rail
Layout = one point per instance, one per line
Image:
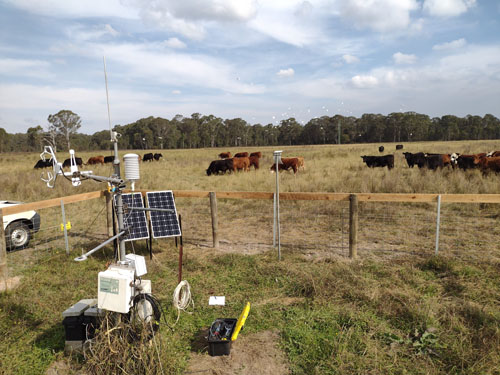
(353, 198)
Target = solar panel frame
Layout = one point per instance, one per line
(134, 220)
(163, 224)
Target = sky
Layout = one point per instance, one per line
(259, 60)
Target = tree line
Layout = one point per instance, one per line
(210, 131)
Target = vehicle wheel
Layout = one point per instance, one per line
(17, 236)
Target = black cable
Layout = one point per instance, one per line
(155, 317)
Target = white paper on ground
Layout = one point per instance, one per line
(217, 300)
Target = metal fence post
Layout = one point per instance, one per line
(353, 226)
(277, 161)
(3, 255)
(438, 220)
(64, 227)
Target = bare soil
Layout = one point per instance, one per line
(251, 354)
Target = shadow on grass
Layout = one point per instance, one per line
(51, 338)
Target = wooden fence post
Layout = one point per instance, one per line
(215, 220)
(109, 213)
(3, 255)
(353, 226)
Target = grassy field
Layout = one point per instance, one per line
(409, 313)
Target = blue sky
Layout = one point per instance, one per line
(259, 60)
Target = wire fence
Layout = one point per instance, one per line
(310, 228)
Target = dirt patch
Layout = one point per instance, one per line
(12, 282)
(251, 354)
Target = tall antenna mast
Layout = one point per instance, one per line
(116, 164)
(107, 97)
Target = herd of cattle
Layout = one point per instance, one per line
(244, 161)
(486, 162)
(93, 160)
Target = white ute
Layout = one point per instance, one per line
(19, 227)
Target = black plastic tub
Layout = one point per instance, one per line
(219, 336)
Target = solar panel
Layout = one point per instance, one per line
(163, 224)
(135, 221)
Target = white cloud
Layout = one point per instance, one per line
(190, 17)
(75, 8)
(297, 25)
(25, 68)
(364, 81)
(458, 43)
(81, 33)
(378, 15)
(401, 58)
(447, 8)
(174, 43)
(286, 72)
(176, 92)
(350, 59)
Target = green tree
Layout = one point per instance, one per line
(35, 137)
(66, 123)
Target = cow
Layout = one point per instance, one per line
(417, 158)
(469, 161)
(220, 166)
(286, 164)
(67, 162)
(108, 159)
(381, 149)
(434, 161)
(490, 164)
(493, 154)
(254, 160)
(95, 160)
(379, 161)
(399, 147)
(257, 153)
(225, 155)
(240, 163)
(241, 155)
(157, 156)
(43, 164)
(148, 157)
(445, 159)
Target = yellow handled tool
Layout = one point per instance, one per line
(240, 322)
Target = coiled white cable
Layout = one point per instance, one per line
(182, 297)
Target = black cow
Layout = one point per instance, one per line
(157, 156)
(109, 159)
(217, 166)
(434, 161)
(43, 164)
(399, 147)
(381, 149)
(148, 157)
(67, 162)
(379, 161)
(418, 159)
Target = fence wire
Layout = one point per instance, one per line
(309, 228)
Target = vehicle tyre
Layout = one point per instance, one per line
(17, 236)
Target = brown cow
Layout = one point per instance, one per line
(490, 164)
(225, 155)
(286, 164)
(258, 154)
(95, 160)
(241, 155)
(254, 160)
(241, 163)
(493, 154)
